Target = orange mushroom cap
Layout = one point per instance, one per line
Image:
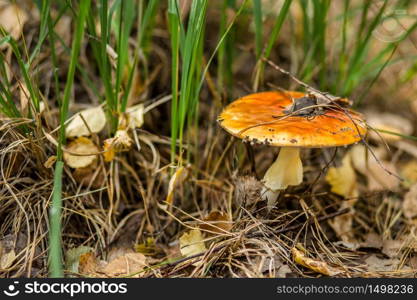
(261, 118)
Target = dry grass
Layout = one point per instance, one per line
(120, 204)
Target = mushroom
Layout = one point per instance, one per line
(290, 120)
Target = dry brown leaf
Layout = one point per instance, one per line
(121, 142)
(376, 264)
(12, 19)
(75, 262)
(192, 243)
(179, 177)
(372, 240)
(378, 178)
(343, 182)
(123, 265)
(81, 145)
(7, 259)
(343, 179)
(95, 119)
(342, 225)
(283, 271)
(413, 262)
(217, 222)
(313, 264)
(409, 205)
(87, 264)
(388, 122)
(135, 116)
(392, 248)
(87, 176)
(122, 262)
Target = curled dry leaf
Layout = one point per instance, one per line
(409, 205)
(121, 142)
(179, 177)
(377, 177)
(94, 118)
(192, 243)
(49, 163)
(81, 146)
(12, 19)
(313, 264)
(217, 222)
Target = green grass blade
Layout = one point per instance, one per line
(271, 41)
(257, 18)
(55, 248)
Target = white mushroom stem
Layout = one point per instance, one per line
(286, 170)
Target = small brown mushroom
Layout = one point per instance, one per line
(270, 117)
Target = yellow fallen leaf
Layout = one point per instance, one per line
(343, 179)
(95, 119)
(179, 176)
(119, 143)
(313, 264)
(81, 146)
(12, 19)
(192, 243)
